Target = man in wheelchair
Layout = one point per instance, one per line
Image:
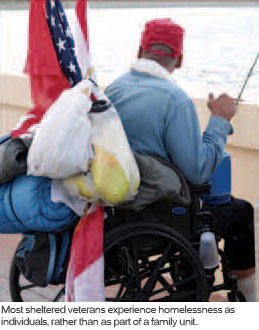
(160, 119)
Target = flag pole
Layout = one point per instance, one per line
(247, 78)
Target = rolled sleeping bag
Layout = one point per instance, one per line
(25, 205)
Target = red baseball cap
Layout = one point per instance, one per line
(163, 31)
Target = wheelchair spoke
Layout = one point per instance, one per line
(133, 285)
(185, 281)
(148, 287)
(179, 257)
(59, 295)
(112, 270)
(119, 292)
(165, 284)
(137, 271)
(27, 287)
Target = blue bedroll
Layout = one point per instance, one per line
(25, 205)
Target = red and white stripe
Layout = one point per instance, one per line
(85, 275)
(82, 37)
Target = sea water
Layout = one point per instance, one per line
(219, 48)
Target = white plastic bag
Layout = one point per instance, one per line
(113, 175)
(61, 146)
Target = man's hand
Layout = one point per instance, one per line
(223, 106)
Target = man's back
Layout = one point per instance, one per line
(160, 119)
(144, 105)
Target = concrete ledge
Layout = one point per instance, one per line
(15, 91)
(9, 117)
(245, 124)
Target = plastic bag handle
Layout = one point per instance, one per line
(100, 106)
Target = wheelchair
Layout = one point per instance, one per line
(152, 255)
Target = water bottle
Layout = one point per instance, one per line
(208, 250)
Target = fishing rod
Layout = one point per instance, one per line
(247, 78)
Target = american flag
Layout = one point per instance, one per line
(52, 63)
(52, 66)
(85, 275)
(63, 41)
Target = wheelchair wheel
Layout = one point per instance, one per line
(152, 262)
(143, 262)
(23, 290)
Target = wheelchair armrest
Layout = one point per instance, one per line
(203, 188)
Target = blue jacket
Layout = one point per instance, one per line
(26, 206)
(160, 119)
